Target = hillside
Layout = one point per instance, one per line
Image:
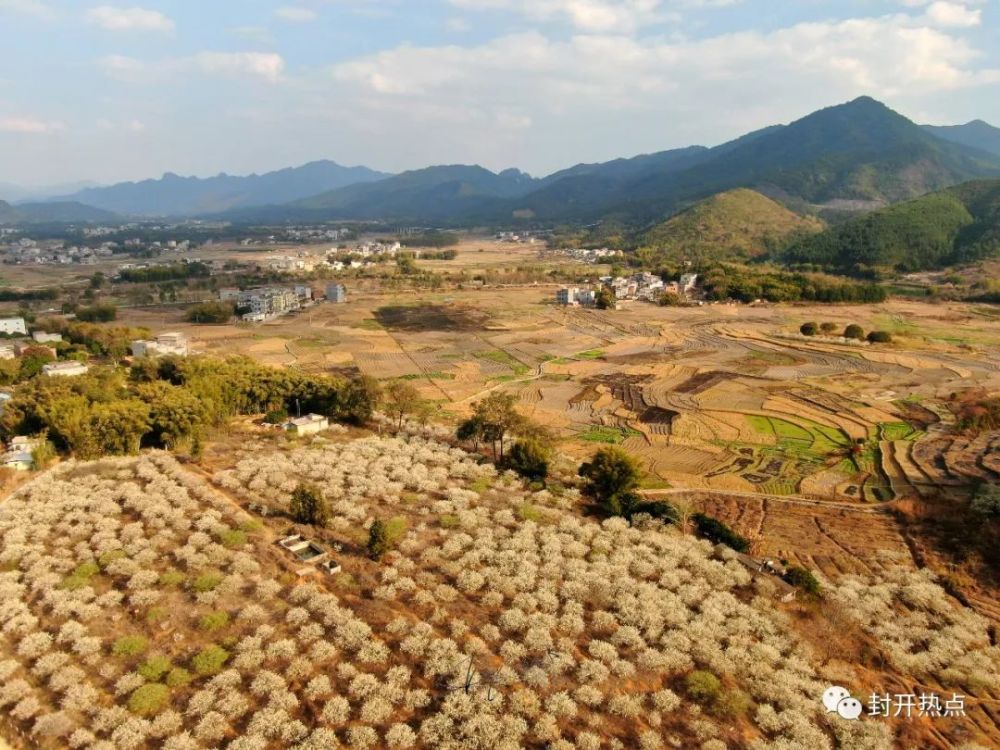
(172, 195)
(737, 224)
(975, 134)
(66, 212)
(957, 225)
(435, 193)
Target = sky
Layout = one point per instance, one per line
(108, 92)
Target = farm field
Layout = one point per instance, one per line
(720, 397)
(147, 604)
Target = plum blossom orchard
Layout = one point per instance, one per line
(141, 608)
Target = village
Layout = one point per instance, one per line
(646, 287)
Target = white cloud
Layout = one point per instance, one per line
(296, 14)
(30, 8)
(268, 66)
(26, 125)
(586, 15)
(588, 94)
(950, 14)
(129, 19)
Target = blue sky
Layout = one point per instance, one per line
(105, 92)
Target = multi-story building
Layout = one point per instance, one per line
(336, 293)
(262, 303)
(567, 296)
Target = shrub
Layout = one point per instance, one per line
(530, 459)
(149, 699)
(309, 506)
(986, 501)
(206, 582)
(703, 687)
(210, 660)
(178, 677)
(670, 299)
(803, 579)
(154, 668)
(233, 538)
(276, 416)
(809, 329)
(171, 578)
(854, 331)
(827, 328)
(612, 478)
(213, 621)
(880, 337)
(129, 645)
(716, 531)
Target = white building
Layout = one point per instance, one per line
(688, 282)
(46, 338)
(13, 326)
(586, 297)
(262, 303)
(336, 293)
(19, 455)
(65, 369)
(165, 344)
(7, 351)
(307, 425)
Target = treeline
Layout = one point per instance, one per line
(171, 402)
(745, 284)
(30, 295)
(171, 272)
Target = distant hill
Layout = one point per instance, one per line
(66, 212)
(736, 224)
(976, 134)
(172, 195)
(957, 225)
(432, 194)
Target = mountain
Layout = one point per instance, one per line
(957, 225)
(66, 212)
(861, 150)
(13, 193)
(736, 224)
(172, 195)
(431, 194)
(976, 134)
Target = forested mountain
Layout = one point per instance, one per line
(957, 225)
(859, 151)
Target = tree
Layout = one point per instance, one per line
(383, 535)
(612, 478)
(33, 358)
(854, 331)
(530, 458)
(809, 329)
(803, 579)
(986, 501)
(308, 506)
(361, 398)
(210, 312)
(716, 531)
(827, 328)
(670, 299)
(605, 299)
(401, 400)
(470, 431)
(880, 337)
(495, 417)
